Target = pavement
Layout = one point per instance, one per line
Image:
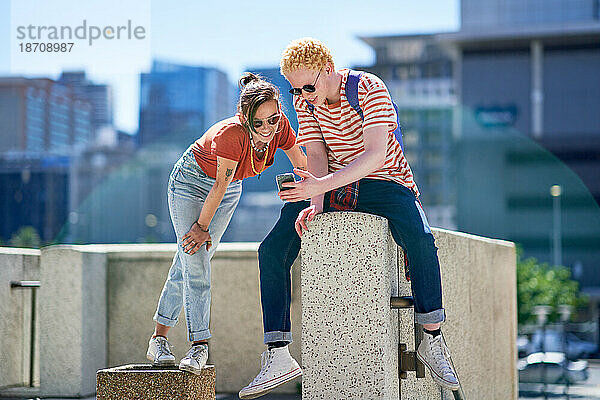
(588, 390)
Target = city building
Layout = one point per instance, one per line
(118, 194)
(99, 96)
(529, 89)
(35, 192)
(178, 103)
(419, 74)
(490, 15)
(520, 88)
(42, 124)
(42, 116)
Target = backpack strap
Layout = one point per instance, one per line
(311, 107)
(352, 97)
(352, 91)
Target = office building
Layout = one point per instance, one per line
(99, 96)
(40, 115)
(418, 72)
(522, 79)
(178, 103)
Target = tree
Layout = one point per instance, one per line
(27, 236)
(540, 284)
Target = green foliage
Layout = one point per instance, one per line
(27, 236)
(540, 284)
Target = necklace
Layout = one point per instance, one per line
(255, 148)
(264, 163)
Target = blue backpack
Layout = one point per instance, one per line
(352, 96)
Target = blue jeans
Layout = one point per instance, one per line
(188, 282)
(409, 228)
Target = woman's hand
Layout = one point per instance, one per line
(195, 238)
(305, 216)
(308, 187)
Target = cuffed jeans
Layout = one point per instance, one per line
(409, 228)
(188, 282)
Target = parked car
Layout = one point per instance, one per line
(576, 348)
(551, 367)
(522, 343)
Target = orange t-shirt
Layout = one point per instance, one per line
(229, 139)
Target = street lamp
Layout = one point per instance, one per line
(541, 312)
(565, 311)
(556, 192)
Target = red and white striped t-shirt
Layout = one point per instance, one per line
(341, 129)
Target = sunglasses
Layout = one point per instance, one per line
(306, 88)
(273, 120)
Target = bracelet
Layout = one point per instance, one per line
(201, 228)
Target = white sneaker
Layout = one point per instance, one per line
(159, 351)
(277, 368)
(434, 353)
(195, 359)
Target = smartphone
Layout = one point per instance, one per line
(281, 178)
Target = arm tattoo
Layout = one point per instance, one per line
(228, 173)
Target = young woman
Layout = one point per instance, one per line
(204, 189)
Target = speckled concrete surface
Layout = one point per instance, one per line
(144, 382)
(350, 339)
(479, 295)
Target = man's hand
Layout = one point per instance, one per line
(195, 238)
(308, 187)
(305, 216)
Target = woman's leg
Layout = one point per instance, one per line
(188, 283)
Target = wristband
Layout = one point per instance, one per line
(201, 228)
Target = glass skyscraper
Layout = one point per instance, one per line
(178, 103)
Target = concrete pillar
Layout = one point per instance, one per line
(349, 332)
(350, 268)
(72, 303)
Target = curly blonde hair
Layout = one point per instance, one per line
(305, 53)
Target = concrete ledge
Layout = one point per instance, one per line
(351, 267)
(145, 382)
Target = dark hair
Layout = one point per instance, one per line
(254, 91)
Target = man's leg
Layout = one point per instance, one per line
(276, 254)
(411, 230)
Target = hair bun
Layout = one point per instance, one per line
(248, 77)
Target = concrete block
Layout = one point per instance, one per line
(73, 319)
(479, 290)
(144, 382)
(346, 257)
(350, 334)
(15, 305)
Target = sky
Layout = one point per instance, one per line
(229, 35)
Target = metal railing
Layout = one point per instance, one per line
(407, 360)
(33, 285)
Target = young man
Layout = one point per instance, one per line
(362, 158)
